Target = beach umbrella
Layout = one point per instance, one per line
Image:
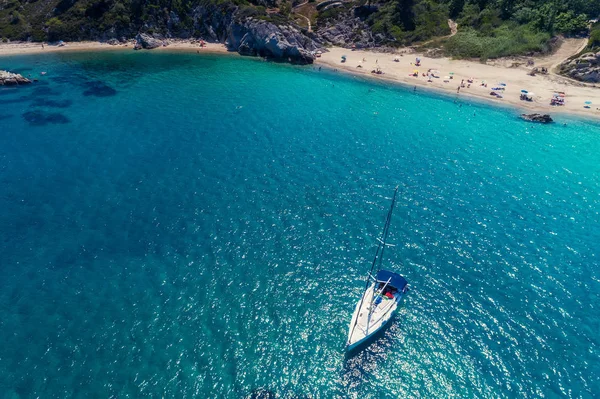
(588, 102)
(418, 59)
(524, 91)
(502, 84)
(451, 73)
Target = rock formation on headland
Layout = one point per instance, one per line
(249, 36)
(585, 68)
(256, 37)
(12, 79)
(537, 118)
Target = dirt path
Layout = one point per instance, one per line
(568, 48)
(294, 10)
(453, 29)
(307, 21)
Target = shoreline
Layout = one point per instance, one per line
(24, 48)
(515, 78)
(397, 73)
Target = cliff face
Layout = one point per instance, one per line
(256, 37)
(585, 68)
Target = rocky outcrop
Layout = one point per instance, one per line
(350, 28)
(262, 38)
(585, 68)
(12, 79)
(147, 42)
(539, 118)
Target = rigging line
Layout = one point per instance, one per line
(380, 247)
(386, 232)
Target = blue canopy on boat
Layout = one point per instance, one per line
(397, 281)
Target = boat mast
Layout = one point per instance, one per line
(378, 256)
(384, 237)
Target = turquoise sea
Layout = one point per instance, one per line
(199, 226)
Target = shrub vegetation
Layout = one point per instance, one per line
(486, 28)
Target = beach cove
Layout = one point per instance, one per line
(399, 68)
(175, 224)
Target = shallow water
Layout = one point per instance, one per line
(178, 225)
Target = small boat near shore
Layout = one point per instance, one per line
(383, 291)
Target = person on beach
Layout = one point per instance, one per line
(42, 45)
(415, 89)
(458, 89)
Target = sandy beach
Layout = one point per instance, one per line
(36, 48)
(515, 78)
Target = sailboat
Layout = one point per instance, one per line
(383, 291)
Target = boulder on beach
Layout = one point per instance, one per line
(12, 79)
(146, 41)
(545, 118)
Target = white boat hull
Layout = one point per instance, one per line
(366, 322)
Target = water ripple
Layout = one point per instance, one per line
(205, 230)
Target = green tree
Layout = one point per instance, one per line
(469, 17)
(568, 22)
(545, 15)
(594, 37)
(431, 19)
(55, 28)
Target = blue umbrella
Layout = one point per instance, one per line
(502, 84)
(524, 91)
(588, 102)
